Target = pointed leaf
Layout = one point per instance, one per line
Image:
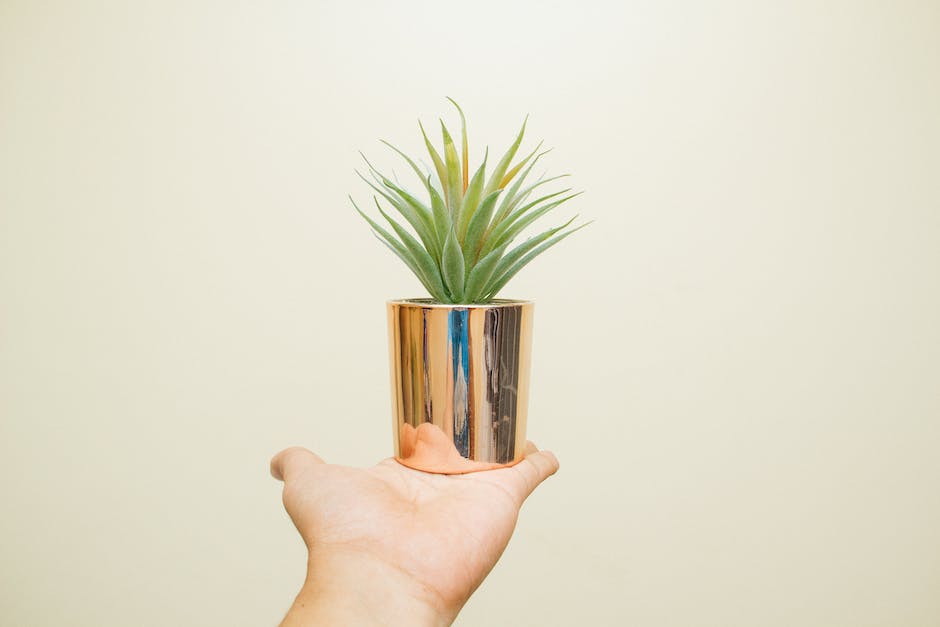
(503, 164)
(509, 197)
(465, 147)
(421, 256)
(404, 256)
(453, 186)
(414, 166)
(398, 248)
(519, 225)
(436, 159)
(516, 253)
(472, 199)
(478, 225)
(499, 281)
(418, 211)
(497, 234)
(452, 266)
(481, 274)
(376, 227)
(420, 223)
(515, 170)
(521, 211)
(506, 208)
(442, 221)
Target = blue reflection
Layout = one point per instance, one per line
(458, 329)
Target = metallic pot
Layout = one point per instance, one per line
(460, 383)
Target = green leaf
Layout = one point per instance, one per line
(515, 169)
(452, 266)
(518, 226)
(516, 253)
(481, 274)
(478, 225)
(453, 189)
(417, 216)
(414, 166)
(376, 227)
(472, 198)
(403, 255)
(436, 158)
(388, 187)
(421, 256)
(497, 233)
(465, 146)
(506, 208)
(497, 176)
(521, 211)
(509, 198)
(442, 221)
(397, 188)
(402, 207)
(426, 229)
(396, 247)
(500, 280)
(375, 184)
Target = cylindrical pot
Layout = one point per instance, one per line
(460, 383)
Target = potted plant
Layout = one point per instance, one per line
(460, 359)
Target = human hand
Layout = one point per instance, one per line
(389, 545)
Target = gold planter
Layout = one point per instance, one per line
(460, 383)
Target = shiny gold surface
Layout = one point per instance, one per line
(460, 383)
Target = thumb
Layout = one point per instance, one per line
(533, 470)
(293, 461)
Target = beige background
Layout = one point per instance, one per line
(738, 364)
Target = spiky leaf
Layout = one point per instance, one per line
(453, 186)
(472, 198)
(400, 250)
(510, 194)
(414, 166)
(403, 254)
(514, 255)
(417, 215)
(499, 281)
(422, 257)
(419, 211)
(500, 171)
(465, 146)
(515, 169)
(452, 266)
(508, 208)
(508, 228)
(436, 159)
(442, 221)
(519, 225)
(480, 276)
(472, 243)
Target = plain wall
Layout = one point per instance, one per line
(738, 363)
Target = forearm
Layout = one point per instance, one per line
(360, 591)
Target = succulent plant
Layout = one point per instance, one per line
(464, 231)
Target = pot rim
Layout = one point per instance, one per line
(430, 302)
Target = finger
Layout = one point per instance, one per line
(292, 461)
(534, 469)
(530, 447)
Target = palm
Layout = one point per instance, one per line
(445, 532)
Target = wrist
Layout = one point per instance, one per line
(354, 589)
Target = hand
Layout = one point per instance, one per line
(389, 545)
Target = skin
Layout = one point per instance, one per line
(389, 545)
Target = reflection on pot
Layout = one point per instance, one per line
(460, 383)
